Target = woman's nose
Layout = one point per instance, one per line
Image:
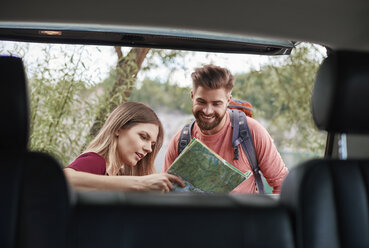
(147, 147)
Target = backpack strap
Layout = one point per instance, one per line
(241, 135)
(185, 137)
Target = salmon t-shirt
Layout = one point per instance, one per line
(270, 161)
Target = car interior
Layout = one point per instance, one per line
(323, 202)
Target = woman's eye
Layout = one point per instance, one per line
(143, 137)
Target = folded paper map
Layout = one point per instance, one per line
(202, 170)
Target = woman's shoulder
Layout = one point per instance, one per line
(89, 162)
(90, 155)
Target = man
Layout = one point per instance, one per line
(211, 94)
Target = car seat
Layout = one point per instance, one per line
(329, 197)
(35, 205)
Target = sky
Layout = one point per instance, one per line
(98, 60)
(236, 63)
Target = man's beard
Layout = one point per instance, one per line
(203, 125)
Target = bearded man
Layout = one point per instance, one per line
(211, 94)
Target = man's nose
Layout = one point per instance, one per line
(208, 110)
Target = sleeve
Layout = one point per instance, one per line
(270, 161)
(91, 163)
(172, 152)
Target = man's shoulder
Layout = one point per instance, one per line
(177, 134)
(257, 130)
(173, 144)
(254, 124)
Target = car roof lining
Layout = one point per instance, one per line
(339, 25)
(143, 37)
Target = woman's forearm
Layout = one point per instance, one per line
(87, 181)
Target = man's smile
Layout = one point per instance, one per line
(207, 118)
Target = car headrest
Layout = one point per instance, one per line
(340, 101)
(14, 124)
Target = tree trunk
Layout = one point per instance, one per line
(127, 69)
(137, 55)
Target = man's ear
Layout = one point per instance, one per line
(191, 94)
(229, 99)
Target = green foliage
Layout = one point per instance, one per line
(281, 93)
(61, 106)
(61, 112)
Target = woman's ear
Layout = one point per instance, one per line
(117, 133)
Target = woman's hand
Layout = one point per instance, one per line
(160, 182)
(154, 182)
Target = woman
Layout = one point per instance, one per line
(124, 149)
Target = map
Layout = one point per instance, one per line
(202, 170)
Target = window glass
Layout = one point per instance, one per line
(73, 88)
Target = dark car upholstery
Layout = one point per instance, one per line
(340, 99)
(14, 135)
(178, 220)
(329, 197)
(34, 192)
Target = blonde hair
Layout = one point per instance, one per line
(105, 143)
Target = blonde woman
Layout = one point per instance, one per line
(124, 150)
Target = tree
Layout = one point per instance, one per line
(119, 90)
(66, 107)
(60, 109)
(127, 69)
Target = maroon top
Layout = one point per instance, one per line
(89, 162)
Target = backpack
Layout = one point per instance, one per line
(241, 105)
(241, 135)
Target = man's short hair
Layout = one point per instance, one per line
(212, 77)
